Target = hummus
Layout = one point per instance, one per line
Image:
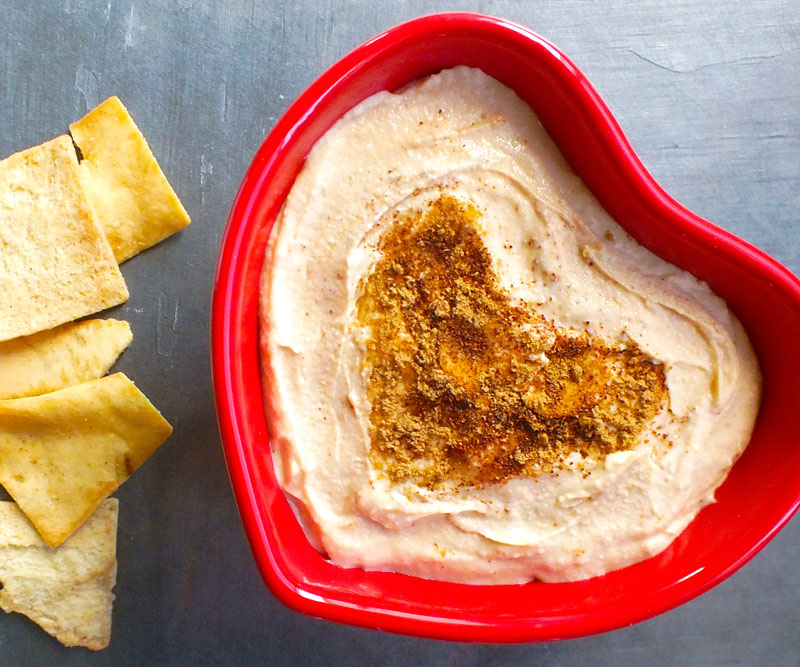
(472, 373)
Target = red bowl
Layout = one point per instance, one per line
(762, 491)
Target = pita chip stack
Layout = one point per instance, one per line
(69, 434)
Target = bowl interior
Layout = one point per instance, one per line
(758, 497)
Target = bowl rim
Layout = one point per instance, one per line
(227, 338)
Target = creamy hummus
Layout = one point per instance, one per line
(562, 409)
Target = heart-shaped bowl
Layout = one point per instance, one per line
(757, 499)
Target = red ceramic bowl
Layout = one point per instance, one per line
(758, 498)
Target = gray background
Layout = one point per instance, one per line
(708, 92)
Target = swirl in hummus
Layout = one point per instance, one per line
(472, 373)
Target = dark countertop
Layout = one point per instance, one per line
(707, 91)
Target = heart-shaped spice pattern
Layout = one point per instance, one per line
(466, 386)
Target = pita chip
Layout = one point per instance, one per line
(67, 591)
(68, 354)
(134, 202)
(63, 453)
(56, 264)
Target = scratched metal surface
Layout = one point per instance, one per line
(707, 91)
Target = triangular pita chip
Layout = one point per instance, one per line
(62, 453)
(133, 200)
(55, 262)
(67, 591)
(68, 354)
